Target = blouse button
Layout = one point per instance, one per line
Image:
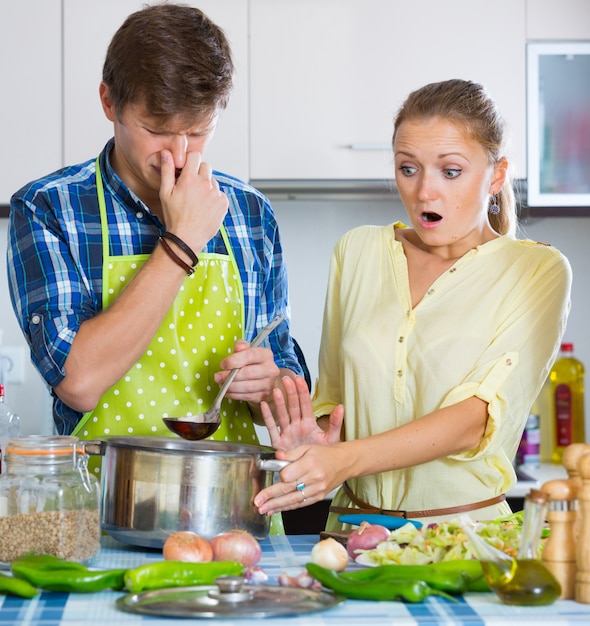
(453, 269)
(430, 292)
(139, 215)
(36, 319)
(400, 339)
(508, 362)
(399, 373)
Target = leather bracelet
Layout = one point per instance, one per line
(185, 266)
(180, 243)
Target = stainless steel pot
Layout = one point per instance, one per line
(153, 486)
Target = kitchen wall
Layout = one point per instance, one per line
(310, 228)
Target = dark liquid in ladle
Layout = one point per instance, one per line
(191, 430)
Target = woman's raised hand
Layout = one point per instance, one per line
(293, 422)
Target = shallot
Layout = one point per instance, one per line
(304, 580)
(236, 545)
(185, 545)
(366, 537)
(330, 554)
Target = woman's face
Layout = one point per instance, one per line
(445, 180)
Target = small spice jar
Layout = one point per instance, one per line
(49, 502)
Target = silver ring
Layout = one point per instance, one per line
(304, 499)
(300, 487)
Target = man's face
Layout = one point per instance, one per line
(140, 139)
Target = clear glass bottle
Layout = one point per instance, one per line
(567, 395)
(9, 423)
(49, 502)
(523, 581)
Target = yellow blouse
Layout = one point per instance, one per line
(490, 327)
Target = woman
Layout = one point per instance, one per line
(437, 337)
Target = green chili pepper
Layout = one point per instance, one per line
(455, 577)
(380, 589)
(45, 562)
(163, 574)
(71, 580)
(12, 586)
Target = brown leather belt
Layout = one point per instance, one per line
(365, 507)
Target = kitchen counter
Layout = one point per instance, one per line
(280, 553)
(534, 476)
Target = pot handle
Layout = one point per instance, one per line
(272, 465)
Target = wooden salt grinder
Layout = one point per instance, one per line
(570, 460)
(583, 543)
(559, 552)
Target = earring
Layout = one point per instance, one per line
(494, 208)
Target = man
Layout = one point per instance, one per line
(135, 276)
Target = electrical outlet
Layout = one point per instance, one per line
(12, 361)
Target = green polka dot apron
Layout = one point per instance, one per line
(174, 377)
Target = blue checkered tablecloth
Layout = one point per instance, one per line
(280, 554)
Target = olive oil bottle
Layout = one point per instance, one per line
(523, 581)
(567, 396)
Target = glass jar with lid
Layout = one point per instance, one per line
(49, 502)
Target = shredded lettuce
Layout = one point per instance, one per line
(446, 541)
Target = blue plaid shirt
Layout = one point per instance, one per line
(55, 261)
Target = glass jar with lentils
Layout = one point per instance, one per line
(49, 502)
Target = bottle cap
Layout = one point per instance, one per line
(567, 347)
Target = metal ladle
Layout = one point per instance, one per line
(203, 425)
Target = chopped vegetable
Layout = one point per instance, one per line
(446, 541)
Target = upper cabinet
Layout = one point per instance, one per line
(88, 29)
(566, 19)
(30, 107)
(318, 83)
(328, 77)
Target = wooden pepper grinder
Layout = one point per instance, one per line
(583, 543)
(559, 552)
(570, 460)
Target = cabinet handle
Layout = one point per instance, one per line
(370, 146)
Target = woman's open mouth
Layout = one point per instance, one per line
(429, 219)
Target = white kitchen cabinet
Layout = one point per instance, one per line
(88, 28)
(30, 107)
(328, 77)
(565, 20)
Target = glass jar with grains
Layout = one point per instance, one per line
(49, 502)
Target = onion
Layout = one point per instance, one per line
(187, 546)
(366, 537)
(236, 545)
(330, 554)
